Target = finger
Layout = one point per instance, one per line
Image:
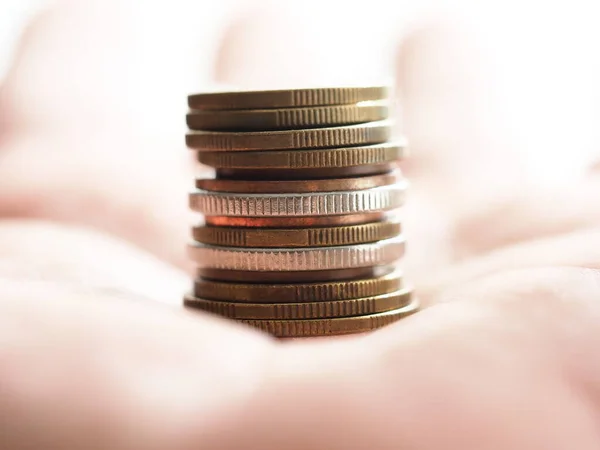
(575, 249)
(142, 202)
(44, 254)
(96, 122)
(478, 126)
(461, 158)
(270, 47)
(533, 214)
(70, 76)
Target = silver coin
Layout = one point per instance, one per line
(297, 259)
(382, 198)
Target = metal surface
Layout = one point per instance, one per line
(287, 98)
(306, 159)
(301, 204)
(304, 174)
(304, 310)
(331, 327)
(296, 237)
(288, 118)
(289, 276)
(294, 222)
(388, 281)
(298, 259)
(298, 186)
(367, 133)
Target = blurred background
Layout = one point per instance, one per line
(542, 54)
(15, 14)
(500, 101)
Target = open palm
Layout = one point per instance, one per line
(95, 348)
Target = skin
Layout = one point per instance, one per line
(96, 351)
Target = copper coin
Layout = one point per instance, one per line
(279, 187)
(389, 280)
(296, 237)
(304, 174)
(287, 98)
(362, 134)
(307, 159)
(293, 222)
(304, 310)
(306, 276)
(288, 118)
(332, 326)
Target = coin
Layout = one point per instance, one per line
(289, 276)
(304, 174)
(361, 134)
(331, 326)
(306, 159)
(305, 310)
(297, 259)
(287, 119)
(294, 186)
(296, 237)
(389, 281)
(286, 98)
(299, 205)
(293, 222)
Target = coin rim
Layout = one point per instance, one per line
(241, 203)
(298, 222)
(350, 325)
(304, 138)
(299, 186)
(300, 292)
(288, 276)
(242, 237)
(336, 159)
(301, 310)
(287, 118)
(287, 98)
(295, 259)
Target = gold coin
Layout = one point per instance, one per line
(389, 280)
(293, 186)
(305, 310)
(304, 174)
(296, 237)
(287, 98)
(362, 134)
(306, 159)
(287, 119)
(331, 326)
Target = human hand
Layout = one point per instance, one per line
(501, 357)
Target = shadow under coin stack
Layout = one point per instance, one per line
(299, 237)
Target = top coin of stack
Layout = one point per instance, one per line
(299, 237)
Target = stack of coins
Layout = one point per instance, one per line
(299, 235)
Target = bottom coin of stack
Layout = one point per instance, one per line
(299, 237)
